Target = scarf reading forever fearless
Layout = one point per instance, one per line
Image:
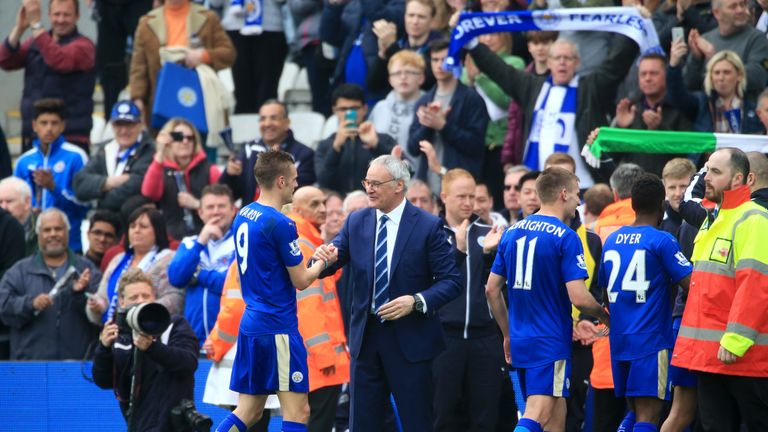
(625, 20)
(253, 10)
(552, 126)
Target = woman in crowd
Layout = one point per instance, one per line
(146, 248)
(722, 107)
(177, 175)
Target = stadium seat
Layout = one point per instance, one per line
(225, 75)
(299, 94)
(97, 130)
(287, 79)
(330, 126)
(307, 127)
(245, 127)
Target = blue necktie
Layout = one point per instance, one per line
(381, 273)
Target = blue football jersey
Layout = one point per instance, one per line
(639, 269)
(537, 256)
(266, 243)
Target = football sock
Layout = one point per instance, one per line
(528, 425)
(232, 424)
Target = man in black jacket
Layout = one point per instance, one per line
(275, 131)
(594, 94)
(472, 367)
(341, 160)
(117, 170)
(166, 371)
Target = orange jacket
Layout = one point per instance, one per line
(612, 218)
(320, 322)
(224, 333)
(728, 296)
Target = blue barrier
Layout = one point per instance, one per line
(54, 396)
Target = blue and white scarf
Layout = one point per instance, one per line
(625, 20)
(553, 124)
(253, 11)
(122, 266)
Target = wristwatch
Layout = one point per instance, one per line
(418, 305)
(36, 26)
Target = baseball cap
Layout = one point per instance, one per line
(125, 110)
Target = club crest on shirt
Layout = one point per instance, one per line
(581, 262)
(297, 377)
(59, 167)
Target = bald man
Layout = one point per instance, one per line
(320, 321)
(758, 178)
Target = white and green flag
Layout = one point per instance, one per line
(615, 140)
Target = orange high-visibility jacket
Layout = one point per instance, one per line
(728, 295)
(612, 218)
(224, 333)
(320, 322)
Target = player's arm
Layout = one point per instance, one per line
(302, 277)
(685, 282)
(584, 302)
(493, 292)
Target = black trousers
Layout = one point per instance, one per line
(257, 69)
(322, 408)
(116, 22)
(608, 410)
(725, 401)
(580, 369)
(467, 377)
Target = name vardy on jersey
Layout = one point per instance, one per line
(547, 227)
(249, 213)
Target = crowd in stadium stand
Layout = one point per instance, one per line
(161, 192)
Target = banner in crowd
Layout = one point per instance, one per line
(179, 94)
(625, 20)
(644, 141)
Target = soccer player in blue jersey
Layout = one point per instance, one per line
(640, 268)
(271, 357)
(541, 260)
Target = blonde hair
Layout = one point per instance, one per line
(452, 175)
(732, 58)
(130, 277)
(678, 168)
(175, 121)
(407, 58)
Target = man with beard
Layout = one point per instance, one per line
(42, 298)
(724, 320)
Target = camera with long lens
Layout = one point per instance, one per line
(184, 417)
(148, 318)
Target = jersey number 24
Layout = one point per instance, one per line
(634, 278)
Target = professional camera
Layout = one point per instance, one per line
(185, 417)
(149, 318)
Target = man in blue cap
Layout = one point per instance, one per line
(116, 172)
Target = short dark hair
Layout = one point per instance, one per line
(75, 2)
(551, 181)
(739, 163)
(541, 36)
(109, 217)
(270, 165)
(648, 194)
(275, 102)
(217, 189)
(438, 44)
(130, 204)
(157, 221)
(48, 106)
(348, 91)
(530, 175)
(654, 56)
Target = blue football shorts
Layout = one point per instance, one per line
(552, 379)
(269, 363)
(643, 377)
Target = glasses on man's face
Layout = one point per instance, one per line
(373, 184)
(104, 234)
(406, 73)
(508, 188)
